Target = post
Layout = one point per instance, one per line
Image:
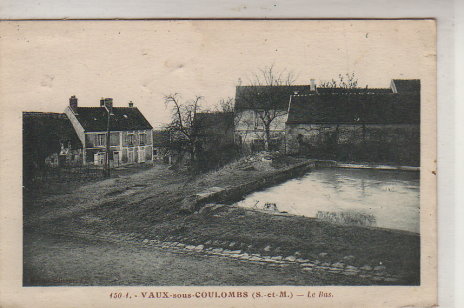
(107, 156)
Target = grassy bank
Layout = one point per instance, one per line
(149, 204)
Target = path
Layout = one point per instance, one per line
(63, 260)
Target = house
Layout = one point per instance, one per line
(130, 134)
(404, 86)
(357, 124)
(251, 102)
(214, 138)
(214, 128)
(49, 141)
(162, 146)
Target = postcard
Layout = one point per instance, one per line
(208, 163)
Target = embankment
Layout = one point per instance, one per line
(235, 193)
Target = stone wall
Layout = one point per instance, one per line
(236, 193)
(249, 131)
(387, 143)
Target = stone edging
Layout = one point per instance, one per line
(337, 164)
(235, 193)
(377, 273)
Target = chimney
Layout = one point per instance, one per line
(73, 103)
(107, 103)
(313, 85)
(131, 104)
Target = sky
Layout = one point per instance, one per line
(43, 63)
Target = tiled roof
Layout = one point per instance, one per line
(255, 97)
(214, 123)
(94, 119)
(355, 108)
(353, 91)
(161, 138)
(407, 85)
(49, 127)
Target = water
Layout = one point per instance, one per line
(381, 198)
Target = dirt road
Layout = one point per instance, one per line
(63, 260)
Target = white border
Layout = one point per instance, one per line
(449, 113)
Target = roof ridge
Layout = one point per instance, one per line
(41, 112)
(353, 93)
(98, 107)
(281, 85)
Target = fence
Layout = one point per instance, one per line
(61, 175)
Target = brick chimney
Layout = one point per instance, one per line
(107, 102)
(131, 104)
(313, 85)
(73, 103)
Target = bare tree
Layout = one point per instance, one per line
(225, 105)
(182, 128)
(268, 95)
(346, 83)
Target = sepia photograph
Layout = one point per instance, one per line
(224, 152)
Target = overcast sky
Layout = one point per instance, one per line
(44, 63)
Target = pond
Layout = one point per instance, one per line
(367, 197)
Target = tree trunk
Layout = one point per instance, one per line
(267, 137)
(192, 155)
(364, 146)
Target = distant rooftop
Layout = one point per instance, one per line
(94, 119)
(405, 85)
(49, 128)
(208, 123)
(248, 97)
(354, 109)
(321, 90)
(245, 95)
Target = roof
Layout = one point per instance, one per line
(258, 97)
(406, 85)
(214, 123)
(220, 121)
(94, 119)
(248, 97)
(161, 138)
(354, 109)
(49, 126)
(354, 90)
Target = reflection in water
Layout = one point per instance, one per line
(351, 218)
(383, 198)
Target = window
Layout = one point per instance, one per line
(143, 138)
(258, 121)
(131, 139)
(100, 140)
